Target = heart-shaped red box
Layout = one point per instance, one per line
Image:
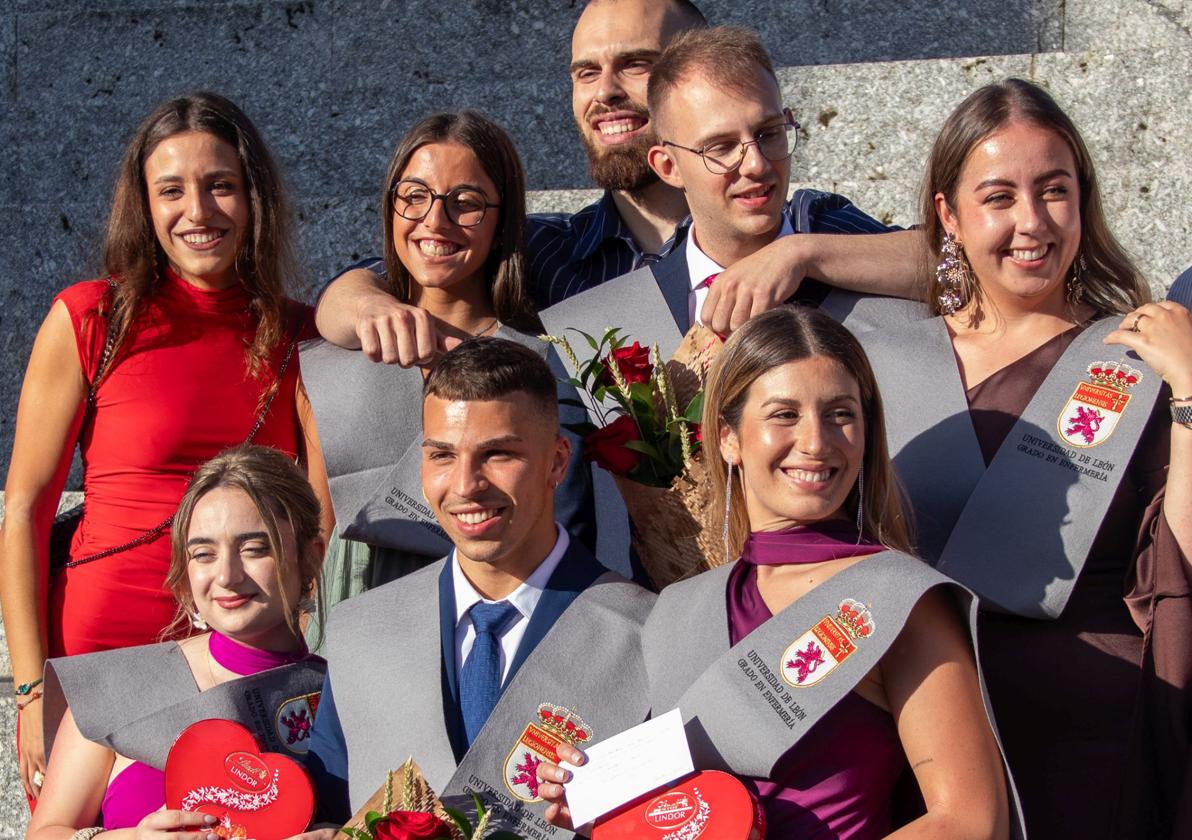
(710, 804)
(217, 767)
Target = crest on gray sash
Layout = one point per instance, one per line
(1050, 483)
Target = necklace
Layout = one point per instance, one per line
(486, 328)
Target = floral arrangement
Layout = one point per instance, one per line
(421, 816)
(646, 432)
(647, 435)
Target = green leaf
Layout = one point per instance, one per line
(356, 834)
(480, 809)
(575, 383)
(371, 819)
(644, 448)
(695, 408)
(461, 821)
(591, 341)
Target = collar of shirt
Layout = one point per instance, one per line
(525, 598)
(604, 222)
(700, 266)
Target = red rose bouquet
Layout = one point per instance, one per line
(644, 429)
(420, 816)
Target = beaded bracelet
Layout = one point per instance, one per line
(34, 696)
(87, 833)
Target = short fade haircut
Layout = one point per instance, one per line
(687, 10)
(725, 55)
(489, 368)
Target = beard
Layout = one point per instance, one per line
(623, 167)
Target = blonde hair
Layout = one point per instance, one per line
(281, 493)
(788, 334)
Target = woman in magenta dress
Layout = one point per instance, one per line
(792, 402)
(179, 352)
(246, 551)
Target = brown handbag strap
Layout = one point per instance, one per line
(156, 531)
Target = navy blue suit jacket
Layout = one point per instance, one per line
(327, 758)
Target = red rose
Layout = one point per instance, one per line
(411, 825)
(606, 446)
(634, 362)
(697, 432)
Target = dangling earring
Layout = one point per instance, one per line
(197, 621)
(728, 498)
(1075, 290)
(860, 501)
(953, 277)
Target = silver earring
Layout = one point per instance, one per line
(953, 277)
(197, 621)
(728, 499)
(1075, 290)
(860, 501)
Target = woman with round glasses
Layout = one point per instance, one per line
(453, 213)
(1042, 428)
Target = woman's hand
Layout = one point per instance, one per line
(553, 778)
(177, 825)
(31, 752)
(1161, 334)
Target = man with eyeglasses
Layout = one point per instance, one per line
(726, 142)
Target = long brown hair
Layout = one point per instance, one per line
(498, 157)
(789, 334)
(281, 493)
(132, 254)
(1112, 283)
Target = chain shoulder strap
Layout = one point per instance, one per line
(158, 529)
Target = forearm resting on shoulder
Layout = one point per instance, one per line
(889, 264)
(340, 306)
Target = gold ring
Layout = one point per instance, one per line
(1134, 327)
(38, 778)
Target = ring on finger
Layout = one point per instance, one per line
(38, 778)
(1134, 326)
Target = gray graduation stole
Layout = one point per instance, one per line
(369, 417)
(1017, 533)
(860, 313)
(136, 701)
(744, 707)
(386, 657)
(597, 689)
(634, 302)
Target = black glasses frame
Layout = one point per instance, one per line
(399, 203)
(719, 168)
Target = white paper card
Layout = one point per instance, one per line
(625, 766)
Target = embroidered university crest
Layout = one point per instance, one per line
(539, 742)
(815, 654)
(294, 720)
(1092, 412)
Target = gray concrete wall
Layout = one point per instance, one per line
(334, 83)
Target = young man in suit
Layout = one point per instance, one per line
(453, 665)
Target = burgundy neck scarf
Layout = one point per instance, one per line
(831, 539)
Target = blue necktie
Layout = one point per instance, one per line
(480, 678)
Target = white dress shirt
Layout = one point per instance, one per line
(524, 599)
(700, 267)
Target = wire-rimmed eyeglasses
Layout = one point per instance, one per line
(775, 142)
(465, 206)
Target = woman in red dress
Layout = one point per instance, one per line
(181, 351)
